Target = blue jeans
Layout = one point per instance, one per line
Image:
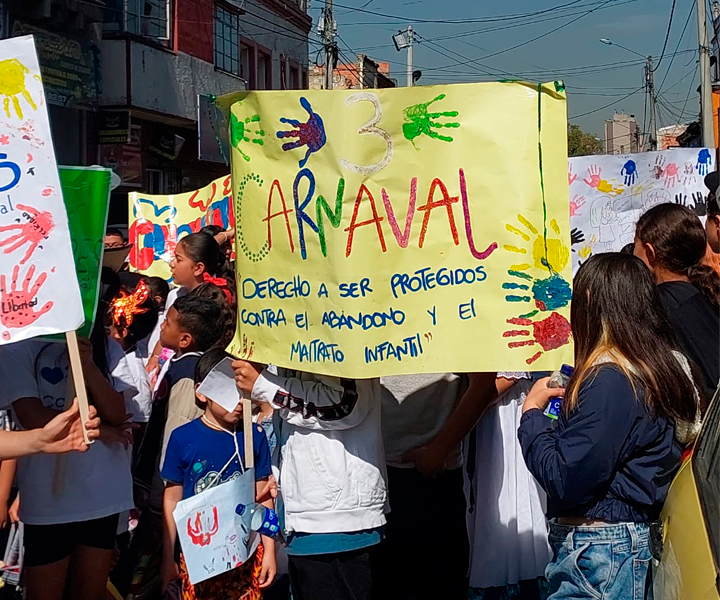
(604, 562)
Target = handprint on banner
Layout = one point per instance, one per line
(549, 293)
(204, 527)
(240, 131)
(698, 204)
(586, 250)
(551, 333)
(704, 161)
(658, 169)
(601, 185)
(576, 237)
(576, 203)
(18, 304)
(12, 85)
(571, 176)
(629, 171)
(418, 121)
(689, 177)
(34, 231)
(310, 134)
(671, 175)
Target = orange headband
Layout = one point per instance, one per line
(125, 307)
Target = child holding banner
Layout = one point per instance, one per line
(199, 457)
(332, 493)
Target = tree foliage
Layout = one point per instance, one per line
(581, 143)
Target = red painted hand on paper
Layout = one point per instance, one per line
(17, 306)
(34, 231)
(594, 173)
(550, 333)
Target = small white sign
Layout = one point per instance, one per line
(219, 386)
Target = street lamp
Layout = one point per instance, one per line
(608, 42)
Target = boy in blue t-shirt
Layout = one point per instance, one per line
(198, 457)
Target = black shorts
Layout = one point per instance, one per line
(47, 544)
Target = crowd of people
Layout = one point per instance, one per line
(404, 487)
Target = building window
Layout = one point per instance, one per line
(264, 70)
(227, 40)
(247, 64)
(294, 77)
(148, 18)
(305, 85)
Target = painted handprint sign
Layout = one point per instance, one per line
(418, 121)
(551, 333)
(242, 129)
(671, 175)
(12, 86)
(310, 134)
(18, 305)
(34, 231)
(704, 162)
(629, 171)
(596, 181)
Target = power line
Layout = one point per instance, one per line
(590, 112)
(677, 47)
(460, 21)
(667, 36)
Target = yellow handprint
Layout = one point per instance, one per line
(586, 251)
(12, 85)
(606, 187)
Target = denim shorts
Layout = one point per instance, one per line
(603, 562)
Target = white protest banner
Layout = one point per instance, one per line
(609, 193)
(39, 293)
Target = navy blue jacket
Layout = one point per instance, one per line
(608, 460)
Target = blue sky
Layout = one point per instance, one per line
(574, 52)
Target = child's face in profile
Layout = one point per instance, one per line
(183, 268)
(171, 335)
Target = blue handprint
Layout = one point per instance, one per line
(310, 134)
(704, 161)
(629, 170)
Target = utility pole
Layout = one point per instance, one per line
(706, 110)
(327, 28)
(410, 39)
(404, 39)
(650, 85)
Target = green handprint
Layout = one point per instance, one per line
(240, 132)
(419, 121)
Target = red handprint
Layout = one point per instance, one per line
(34, 231)
(571, 176)
(659, 169)
(576, 203)
(594, 173)
(550, 333)
(671, 175)
(196, 532)
(17, 305)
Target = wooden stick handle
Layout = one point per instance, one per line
(79, 379)
(248, 433)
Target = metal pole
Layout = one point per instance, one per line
(650, 84)
(706, 109)
(410, 39)
(329, 30)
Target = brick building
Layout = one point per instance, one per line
(365, 73)
(124, 77)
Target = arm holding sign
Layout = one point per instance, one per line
(327, 403)
(63, 433)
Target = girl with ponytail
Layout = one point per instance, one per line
(671, 241)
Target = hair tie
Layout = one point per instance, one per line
(220, 282)
(125, 307)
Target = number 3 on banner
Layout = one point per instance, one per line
(370, 128)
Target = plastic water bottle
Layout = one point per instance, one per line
(559, 379)
(257, 517)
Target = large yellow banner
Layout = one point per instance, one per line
(403, 230)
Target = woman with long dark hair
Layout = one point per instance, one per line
(672, 242)
(608, 465)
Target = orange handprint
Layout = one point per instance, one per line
(205, 527)
(17, 305)
(34, 231)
